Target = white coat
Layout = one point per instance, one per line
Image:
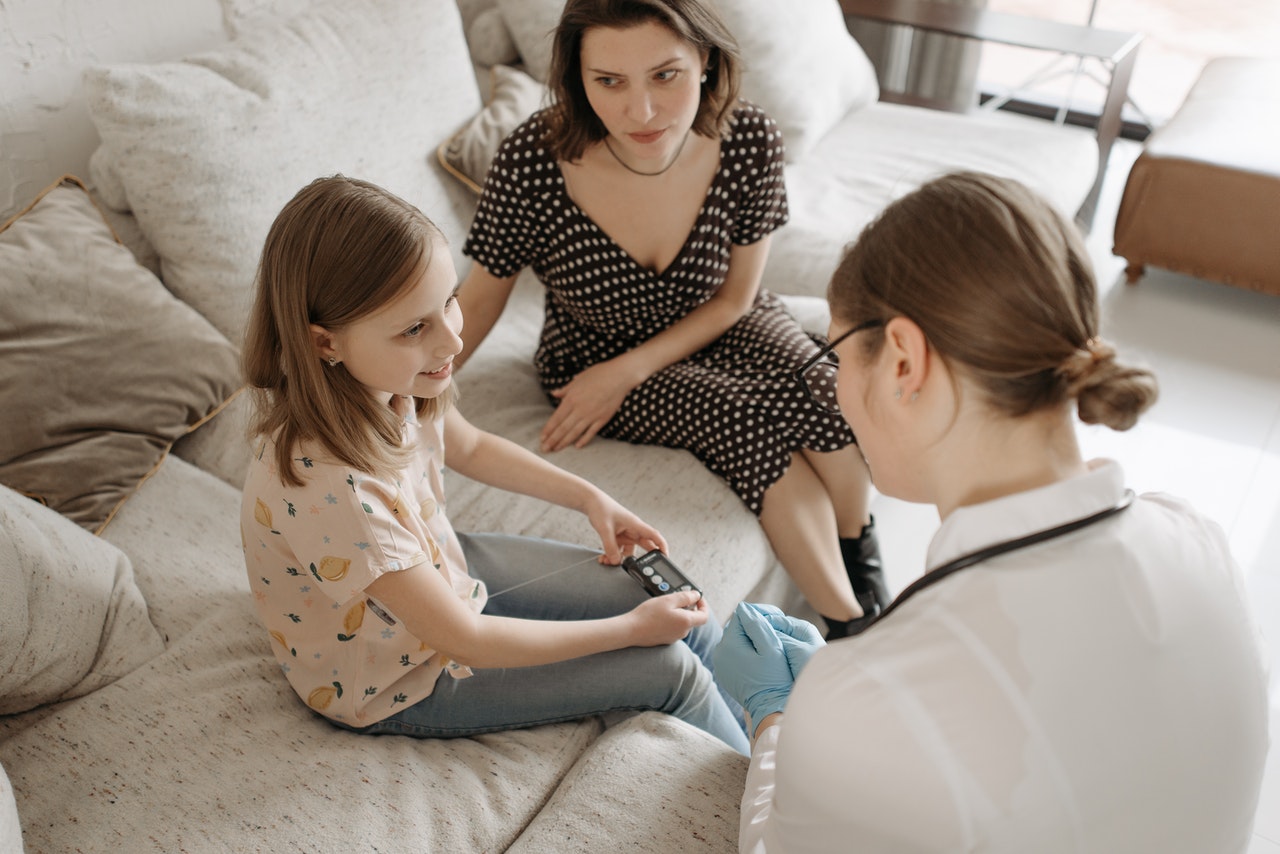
(1104, 691)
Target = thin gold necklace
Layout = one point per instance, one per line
(624, 165)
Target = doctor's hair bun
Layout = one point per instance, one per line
(1002, 285)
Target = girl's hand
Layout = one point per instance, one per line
(620, 530)
(668, 618)
(586, 405)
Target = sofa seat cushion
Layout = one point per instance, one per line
(884, 151)
(712, 535)
(209, 735)
(650, 758)
(207, 150)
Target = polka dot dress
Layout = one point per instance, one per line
(736, 404)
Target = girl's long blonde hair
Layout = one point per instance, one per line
(338, 251)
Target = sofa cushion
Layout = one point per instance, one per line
(206, 747)
(713, 537)
(801, 65)
(514, 97)
(695, 781)
(209, 149)
(71, 617)
(532, 23)
(101, 369)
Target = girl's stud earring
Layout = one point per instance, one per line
(915, 395)
(333, 361)
(897, 395)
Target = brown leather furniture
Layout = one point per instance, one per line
(1204, 196)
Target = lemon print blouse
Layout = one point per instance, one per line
(311, 551)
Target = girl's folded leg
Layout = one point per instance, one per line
(587, 590)
(667, 679)
(675, 679)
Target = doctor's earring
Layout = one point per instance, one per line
(704, 78)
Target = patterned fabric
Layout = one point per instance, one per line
(312, 550)
(736, 403)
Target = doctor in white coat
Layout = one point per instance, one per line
(1078, 670)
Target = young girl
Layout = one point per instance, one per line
(644, 199)
(380, 614)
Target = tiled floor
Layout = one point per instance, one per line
(1213, 437)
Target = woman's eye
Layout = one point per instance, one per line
(668, 75)
(607, 82)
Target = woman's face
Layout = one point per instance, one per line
(644, 84)
(858, 391)
(407, 346)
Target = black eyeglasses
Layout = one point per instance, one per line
(818, 375)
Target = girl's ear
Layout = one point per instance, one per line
(322, 341)
(908, 348)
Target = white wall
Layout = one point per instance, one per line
(45, 131)
(45, 45)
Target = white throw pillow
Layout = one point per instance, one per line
(801, 65)
(469, 152)
(72, 619)
(209, 149)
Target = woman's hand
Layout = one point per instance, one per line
(620, 530)
(751, 663)
(800, 638)
(668, 618)
(586, 405)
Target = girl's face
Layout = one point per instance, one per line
(644, 84)
(407, 346)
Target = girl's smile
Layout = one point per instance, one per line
(407, 346)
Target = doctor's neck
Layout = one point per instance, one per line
(993, 456)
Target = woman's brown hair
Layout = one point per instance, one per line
(1002, 286)
(338, 251)
(572, 125)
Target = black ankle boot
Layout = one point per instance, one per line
(866, 575)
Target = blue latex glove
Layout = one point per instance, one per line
(751, 664)
(800, 638)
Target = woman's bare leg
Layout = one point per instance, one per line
(847, 480)
(800, 521)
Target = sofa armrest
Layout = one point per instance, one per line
(1115, 49)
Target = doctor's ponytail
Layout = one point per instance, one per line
(1002, 286)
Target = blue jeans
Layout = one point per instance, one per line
(675, 679)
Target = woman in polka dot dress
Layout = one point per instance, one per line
(644, 199)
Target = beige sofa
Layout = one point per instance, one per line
(141, 708)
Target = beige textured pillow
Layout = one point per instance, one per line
(468, 153)
(207, 150)
(71, 617)
(101, 369)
